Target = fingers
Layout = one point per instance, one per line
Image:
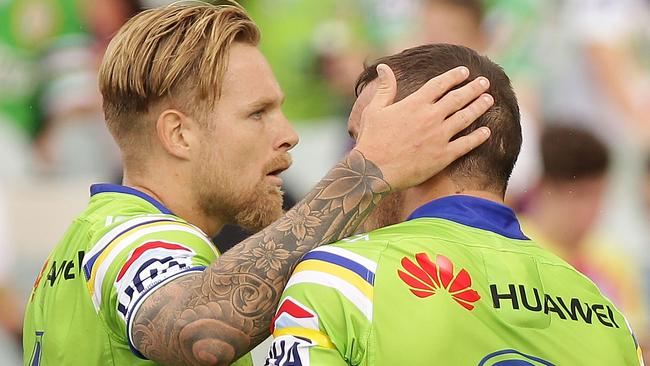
(386, 88)
(465, 144)
(459, 98)
(466, 116)
(441, 84)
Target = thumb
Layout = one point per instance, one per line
(386, 88)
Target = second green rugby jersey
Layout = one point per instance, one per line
(456, 284)
(123, 247)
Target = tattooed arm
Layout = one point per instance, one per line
(214, 317)
(245, 289)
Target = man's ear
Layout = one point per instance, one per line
(176, 130)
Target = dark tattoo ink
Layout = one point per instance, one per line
(217, 316)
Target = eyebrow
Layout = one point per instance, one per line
(265, 102)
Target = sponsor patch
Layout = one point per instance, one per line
(425, 278)
(146, 266)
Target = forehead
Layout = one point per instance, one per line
(248, 76)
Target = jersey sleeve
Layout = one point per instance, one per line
(135, 259)
(325, 312)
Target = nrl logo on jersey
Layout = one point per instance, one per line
(425, 278)
(147, 266)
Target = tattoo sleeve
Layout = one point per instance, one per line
(215, 317)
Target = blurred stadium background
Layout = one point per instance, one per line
(581, 69)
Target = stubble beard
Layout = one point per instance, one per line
(252, 209)
(260, 209)
(222, 197)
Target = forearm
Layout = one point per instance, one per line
(224, 312)
(331, 211)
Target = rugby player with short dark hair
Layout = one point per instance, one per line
(449, 278)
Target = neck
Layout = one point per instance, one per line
(439, 187)
(174, 194)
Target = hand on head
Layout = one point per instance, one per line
(411, 140)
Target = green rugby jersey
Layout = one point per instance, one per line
(123, 247)
(458, 283)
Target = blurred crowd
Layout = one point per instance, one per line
(581, 70)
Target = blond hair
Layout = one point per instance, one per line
(178, 53)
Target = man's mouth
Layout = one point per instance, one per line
(273, 176)
(275, 167)
(277, 171)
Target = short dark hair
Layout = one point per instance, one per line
(570, 153)
(489, 166)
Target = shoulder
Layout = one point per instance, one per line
(346, 270)
(329, 297)
(125, 249)
(118, 233)
(351, 261)
(342, 272)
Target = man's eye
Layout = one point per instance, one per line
(257, 114)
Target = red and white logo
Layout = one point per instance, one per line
(292, 313)
(426, 277)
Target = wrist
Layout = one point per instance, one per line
(375, 166)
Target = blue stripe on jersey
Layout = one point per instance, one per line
(91, 262)
(474, 212)
(353, 266)
(116, 188)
